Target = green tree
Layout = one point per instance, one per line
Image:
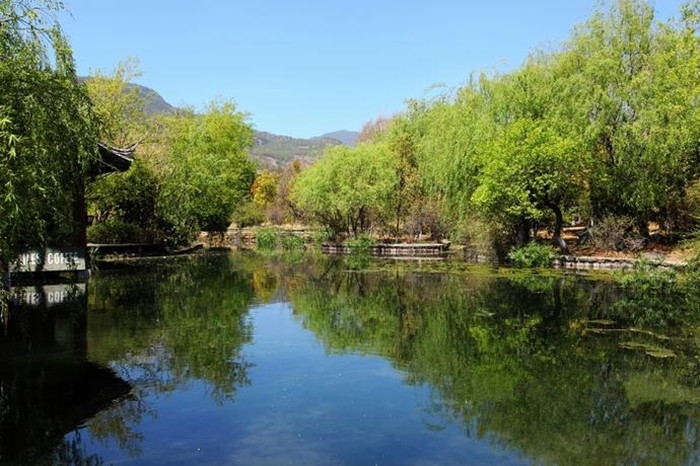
(633, 84)
(408, 189)
(348, 187)
(532, 170)
(209, 172)
(47, 131)
(119, 105)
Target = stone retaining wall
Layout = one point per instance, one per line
(603, 263)
(244, 238)
(394, 250)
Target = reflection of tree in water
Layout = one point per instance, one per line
(162, 329)
(71, 451)
(514, 362)
(47, 386)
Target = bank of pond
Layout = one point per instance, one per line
(251, 358)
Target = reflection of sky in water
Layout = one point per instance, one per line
(372, 367)
(303, 406)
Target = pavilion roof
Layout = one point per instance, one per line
(112, 159)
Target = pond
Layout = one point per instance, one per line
(248, 359)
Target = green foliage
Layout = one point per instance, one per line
(195, 176)
(360, 245)
(249, 214)
(129, 198)
(119, 106)
(116, 231)
(532, 254)
(348, 188)
(531, 170)
(272, 239)
(606, 124)
(266, 239)
(291, 242)
(210, 173)
(47, 130)
(323, 236)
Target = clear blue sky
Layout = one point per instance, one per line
(303, 68)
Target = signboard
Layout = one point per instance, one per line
(51, 260)
(47, 295)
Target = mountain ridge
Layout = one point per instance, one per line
(269, 149)
(349, 138)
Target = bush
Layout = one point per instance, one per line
(269, 239)
(617, 234)
(116, 231)
(291, 242)
(531, 255)
(266, 239)
(248, 215)
(360, 245)
(322, 236)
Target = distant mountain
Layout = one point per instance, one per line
(349, 138)
(270, 150)
(155, 103)
(273, 150)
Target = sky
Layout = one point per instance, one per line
(304, 68)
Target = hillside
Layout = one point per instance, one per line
(273, 150)
(155, 103)
(349, 138)
(270, 150)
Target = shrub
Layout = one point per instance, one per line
(531, 255)
(270, 239)
(291, 242)
(360, 245)
(322, 236)
(616, 233)
(266, 239)
(248, 215)
(116, 231)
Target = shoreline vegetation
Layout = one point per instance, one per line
(590, 148)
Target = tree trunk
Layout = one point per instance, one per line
(558, 224)
(79, 213)
(643, 226)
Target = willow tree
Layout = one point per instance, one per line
(634, 87)
(208, 173)
(47, 131)
(348, 187)
(120, 105)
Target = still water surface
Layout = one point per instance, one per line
(242, 359)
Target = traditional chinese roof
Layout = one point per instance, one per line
(112, 159)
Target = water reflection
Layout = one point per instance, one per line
(48, 387)
(529, 363)
(550, 368)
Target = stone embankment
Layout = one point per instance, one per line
(393, 249)
(585, 262)
(606, 263)
(244, 238)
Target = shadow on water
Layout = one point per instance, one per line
(550, 367)
(48, 387)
